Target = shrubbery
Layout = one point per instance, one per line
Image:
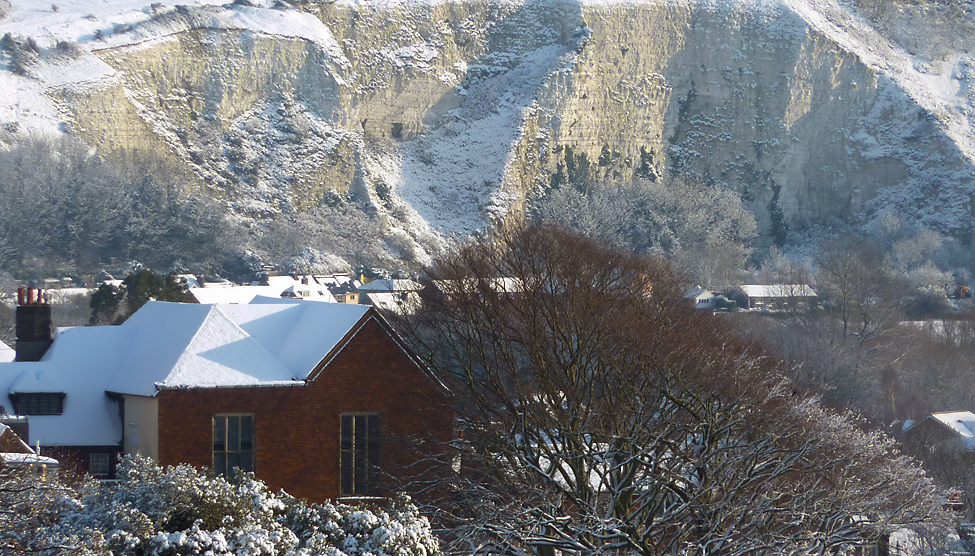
(181, 511)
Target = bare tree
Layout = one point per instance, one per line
(862, 289)
(600, 414)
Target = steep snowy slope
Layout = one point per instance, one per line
(447, 114)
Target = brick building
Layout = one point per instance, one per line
(320, 399)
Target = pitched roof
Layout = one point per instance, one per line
(961, 423)
(778, 290)
(175, 345)
(391, 286)
(394, 302)
(698, 293)
(235, 294)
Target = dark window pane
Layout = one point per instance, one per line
(361, 432)
(233, 433)
(375, 435)
(347, 432)
(220, 464)
(219, 434)
(347, 473)
(246, 433)
(39, 404)
(233, 460)
(247, 461)
(361, 473)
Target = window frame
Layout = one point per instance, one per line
(351, 482)
(34, 402)
(226, 466)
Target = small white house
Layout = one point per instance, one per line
(701, 298)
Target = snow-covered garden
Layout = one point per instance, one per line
(182, 511)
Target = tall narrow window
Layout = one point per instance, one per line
(360, 451)
(233, 443)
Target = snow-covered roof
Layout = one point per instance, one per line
(174, 345)
(698, 293)
(236, 294)
(962, 422)
(391, 286)
(16, 459)
(315, 292)
(501, 285)
(66, 295)
(7, 354)
(393, 302)
(778, 290)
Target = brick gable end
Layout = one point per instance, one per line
(297, 427)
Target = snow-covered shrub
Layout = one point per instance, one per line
(23, 52)
(340, 530)
(179, 511)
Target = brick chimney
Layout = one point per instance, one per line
(33, 325)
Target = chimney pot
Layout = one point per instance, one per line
(21, 296)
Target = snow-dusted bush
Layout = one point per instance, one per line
(181, 511)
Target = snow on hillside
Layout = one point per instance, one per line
(25, 104)
(450, 174)
(940, 87)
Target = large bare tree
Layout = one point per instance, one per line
(601, 414)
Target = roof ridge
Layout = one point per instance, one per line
(214, 313)
(183, 356)
(253, 338)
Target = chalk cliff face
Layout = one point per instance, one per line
(452, 113)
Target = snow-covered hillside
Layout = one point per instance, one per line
(445, 114)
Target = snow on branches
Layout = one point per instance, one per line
(180, 511)
(601, 414)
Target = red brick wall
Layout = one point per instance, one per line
(297, 427)
(10, 442)
(73, 460)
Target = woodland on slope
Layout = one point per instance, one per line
(65, 211)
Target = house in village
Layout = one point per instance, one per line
(395, 295)
(307, 287)
(322, 400)
(701, 299)
(778, 297)
(951, 427)
(16, 454)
